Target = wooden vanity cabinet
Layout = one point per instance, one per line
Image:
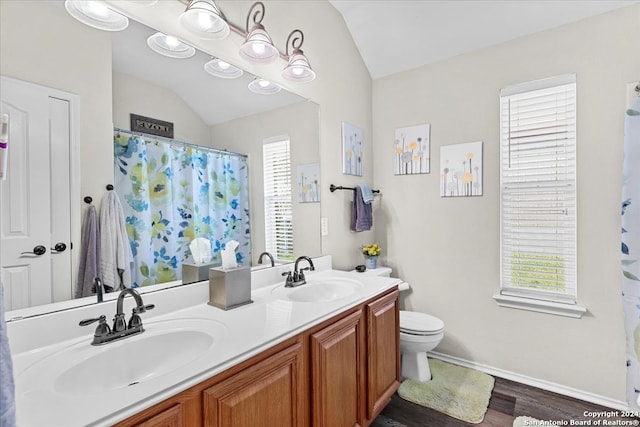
(269, 393)
(355, 364)
(340, 373)
(266, 390)
(182, 410)
(383, 352)
(337, 383)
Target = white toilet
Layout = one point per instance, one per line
(419, 333)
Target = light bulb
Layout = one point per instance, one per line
(264, 83)
(223, 65)
(172, 42)
(204, 21)
(96, 8)
(258, 48)
(298, 71)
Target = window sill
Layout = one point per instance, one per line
(559, 309)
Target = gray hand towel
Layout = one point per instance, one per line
(89, 262)
(361, 213)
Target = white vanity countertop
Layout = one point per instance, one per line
(241, 333)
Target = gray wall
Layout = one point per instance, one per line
(448, 248)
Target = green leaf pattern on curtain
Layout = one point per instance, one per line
(172, 194)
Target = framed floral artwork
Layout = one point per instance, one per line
(461, 170)
(352, 149)
(309, 183)
(411, 150)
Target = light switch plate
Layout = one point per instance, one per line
(324, 226)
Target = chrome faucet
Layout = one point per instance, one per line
(273, 263)
(297, 278)
(121, 329)
(97, 286)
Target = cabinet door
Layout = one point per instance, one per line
(337, 380)
(383, 352)
(180, 410)
(171, 417)
(269, 393)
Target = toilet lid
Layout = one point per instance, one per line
(416, 323)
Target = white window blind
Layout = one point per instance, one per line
(538, 190)
(277, 199)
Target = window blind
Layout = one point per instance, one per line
(538, 190)
(277, 199)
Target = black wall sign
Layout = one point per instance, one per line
(151, 126)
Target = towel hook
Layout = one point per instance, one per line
(109, 187)
(88, 200)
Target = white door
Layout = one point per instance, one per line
(35, 222)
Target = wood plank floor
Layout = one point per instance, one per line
(508, 401)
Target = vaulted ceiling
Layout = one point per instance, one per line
(398, 35)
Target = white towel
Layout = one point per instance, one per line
(115, 250)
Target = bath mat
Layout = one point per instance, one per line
(526, 421)
(459, 392)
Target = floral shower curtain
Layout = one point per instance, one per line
(173, 193)
(631, 249)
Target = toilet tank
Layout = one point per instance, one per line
(386, 272)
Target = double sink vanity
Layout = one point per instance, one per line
(321, 354)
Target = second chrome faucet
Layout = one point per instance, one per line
(297, 278)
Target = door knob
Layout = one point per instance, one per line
(38, 250)
(59, 247)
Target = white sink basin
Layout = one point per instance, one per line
(164, 347)
(321, 289)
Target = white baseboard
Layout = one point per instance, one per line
(534, 382)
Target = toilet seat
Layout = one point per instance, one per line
(422, 324)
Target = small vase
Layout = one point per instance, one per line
(371, 262)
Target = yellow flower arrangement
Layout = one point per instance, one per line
(371, 250)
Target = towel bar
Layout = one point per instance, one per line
(333, 188)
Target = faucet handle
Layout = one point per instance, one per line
(135, 320)
(143, 308)
(102, 329)
(87, 322)
(301, 273)
(289, 279)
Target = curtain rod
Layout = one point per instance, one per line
(186, 144)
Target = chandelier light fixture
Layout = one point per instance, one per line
(204, 19)
(298, 69)
(96, 14)
(170, 46)
(258, 46)
(219, 68)
(263, 87)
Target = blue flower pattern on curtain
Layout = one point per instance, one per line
(174, 193)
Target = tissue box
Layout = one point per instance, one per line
(192, 273)
(229, 288)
